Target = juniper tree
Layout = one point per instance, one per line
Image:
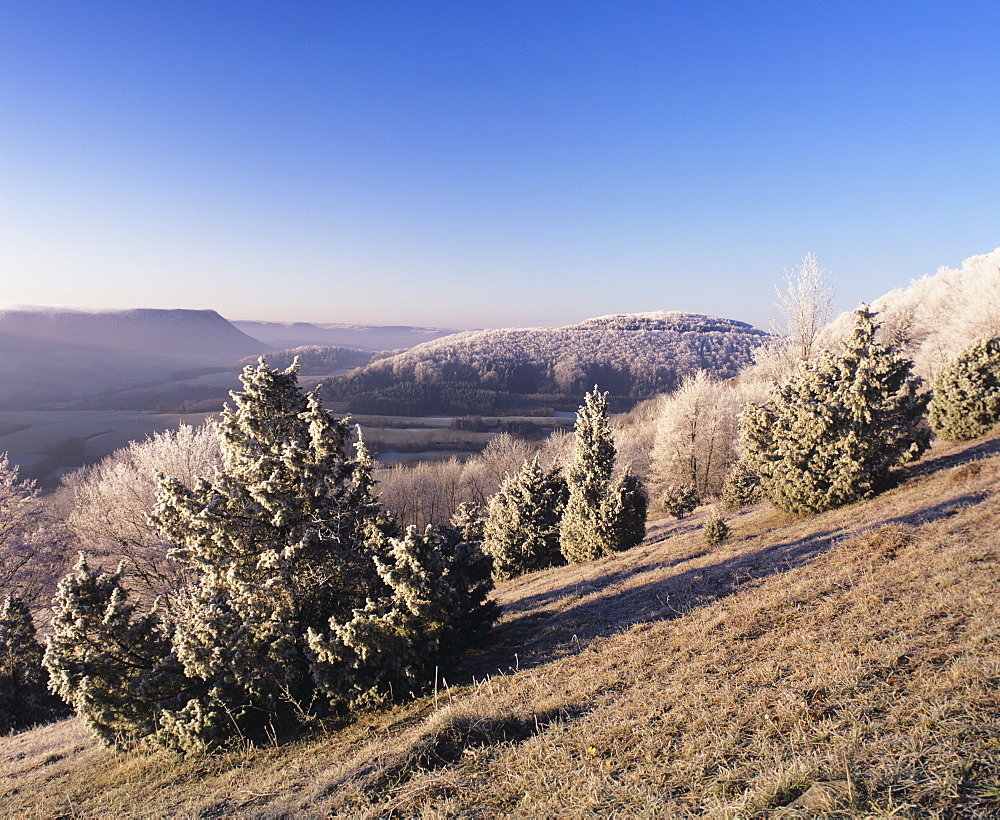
(680, 500)
(436, 607)
(276, 542)
(111, 664)
(284, 544)
(831, 435)
(715, 530)
(966, 401)
(522, 522)
(468, 520)
(742, 487)
(24, 695)
(604, 513)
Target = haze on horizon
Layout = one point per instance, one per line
(469, 165)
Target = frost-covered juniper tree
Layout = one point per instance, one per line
(437, 607)
(966, 401)
(111, 664)
(284, 545)
(277, 545)
(24, 695)
(522, 523)
(830, 435)
(605, 510)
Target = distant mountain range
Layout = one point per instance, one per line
(194, 336)
(533, 370)
(163, 359)
(57, 356)
(285, 335)
(188, 360)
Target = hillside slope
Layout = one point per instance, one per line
(485, 372)
(363, 337)
(845, 664)
(61, 355)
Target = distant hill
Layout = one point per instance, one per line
(531, 370)
(286, 335)
(51, 356)
(196, 336)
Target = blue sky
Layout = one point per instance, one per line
(471, 164)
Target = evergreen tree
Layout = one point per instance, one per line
(715, 530)
(24, 696)
(437, 606)
(276, 543)
(113, 666)
(742, 487)
(604, 513)
(966, 401)
(522, 524)
(627, 507)
(284, 545)
(830, 435)
(680, 500)
(468, 520)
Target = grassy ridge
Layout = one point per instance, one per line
(845, 664)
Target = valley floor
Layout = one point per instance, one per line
(841, 665)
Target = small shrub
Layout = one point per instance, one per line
(742, 487)
(680, 500)
(716, 530)
(966, 401)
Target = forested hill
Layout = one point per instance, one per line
(531, 370)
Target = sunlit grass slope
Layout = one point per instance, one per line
(842, 665)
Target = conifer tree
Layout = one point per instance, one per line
(276, 543)
(468, 520)
(284, 545)
(742, 487)
(113, 666)
(436, 607)
(680, 500)
(24, 696)
(522, 523)
(604, 513)
(966, 401)
(831, 435)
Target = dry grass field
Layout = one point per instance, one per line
(839, 665)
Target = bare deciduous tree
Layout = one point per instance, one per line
(112, 500)
(806, 303)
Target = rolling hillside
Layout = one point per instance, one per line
(543, 369)
(839, 665)
(285, 335)
(53, 356)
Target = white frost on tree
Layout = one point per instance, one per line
(807, 305)
(112, 501)
(831, 435)
(522, 521)
(697, 433)
(605, 510)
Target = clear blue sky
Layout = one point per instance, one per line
(481, 163)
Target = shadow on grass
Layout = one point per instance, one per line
(447, 744)
(974, 452)
(602, 605)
